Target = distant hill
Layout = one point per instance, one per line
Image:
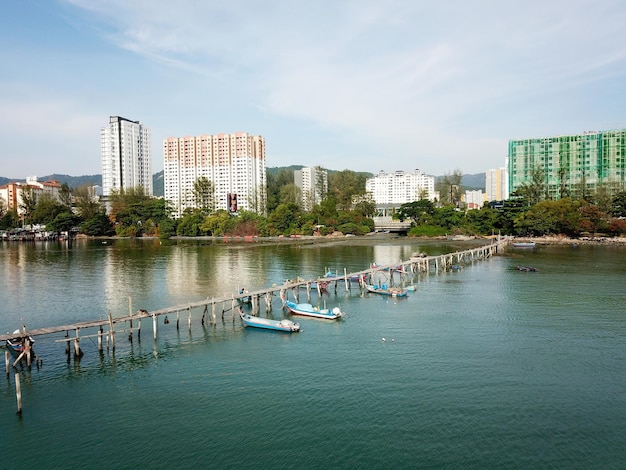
(472, 182)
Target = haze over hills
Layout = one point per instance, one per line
(470, 182)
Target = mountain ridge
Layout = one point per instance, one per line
(469, 181)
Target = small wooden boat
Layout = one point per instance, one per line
(20, 346)
(527, 269)
(267, 324)
(523, 244)
(384, 290)
(310, 311)
(246, 299)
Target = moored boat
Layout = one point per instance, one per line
(20, 346)
(267, 324)
(384, 290)
(311, 311)
(523, 244)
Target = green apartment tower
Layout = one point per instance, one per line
(572, 165)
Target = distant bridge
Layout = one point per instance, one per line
(387, 224)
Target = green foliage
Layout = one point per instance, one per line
(46, 210)
(192, 224)
(98, 225)
(63, 222)
(417, 211)
(344, 185)
(618, 205)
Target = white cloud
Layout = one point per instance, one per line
(446, 82)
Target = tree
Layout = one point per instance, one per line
(344, 186)
(28, 203)
(416, 211)
(97, 225)
(450, 187)
(534, 190)
(65, 196)
(290, 194)
(618, 205)
(203, 195)
(86, 201)
(47, 209)
(63, 222)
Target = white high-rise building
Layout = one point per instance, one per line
(497, 184)
(313, 182)
(234, 163)
(126, 156)
(400, 187)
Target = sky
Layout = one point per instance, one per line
(364, 85)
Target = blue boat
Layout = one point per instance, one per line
(17, 346)
(309, 311)
(267, 324)
(384, 290)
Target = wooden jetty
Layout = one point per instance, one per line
(417, 264)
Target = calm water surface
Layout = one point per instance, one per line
(486, 367)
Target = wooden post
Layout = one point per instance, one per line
(100, 339)
(111, 332)
(213, 313)
(308, 290)
(177, 320)
(77, 352)
(6, 362)
(130, 314)
(189, 319)
(345, 276)
(204, 312)
(154, 325)
(232, 307)
(18, 393)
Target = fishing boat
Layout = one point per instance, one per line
(523, 244)
(309, 311)
(384, 290)
(246, 299)
(267, 324)
(17, 345)
(527, 269)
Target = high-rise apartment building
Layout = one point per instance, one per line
(497, 184)
(233, 163)
(126, 156)
(400, 187)
(313, 183)
(571, 165)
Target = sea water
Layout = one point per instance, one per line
(484, 367)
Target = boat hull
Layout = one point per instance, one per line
(266, 324)
(388, 292)
(309, 311)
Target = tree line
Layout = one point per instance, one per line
(344, 207)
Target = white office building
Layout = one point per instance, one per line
(313, 184)
(497, 184)
(126, 156)
(400, 187)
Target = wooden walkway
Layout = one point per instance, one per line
(416, 264)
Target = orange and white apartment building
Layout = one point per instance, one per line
(234, 163)
(12, 193)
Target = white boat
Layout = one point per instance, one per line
(310, 311)
(384, 290)
(267, 324)
(523, 244)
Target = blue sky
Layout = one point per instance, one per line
(350, 84)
